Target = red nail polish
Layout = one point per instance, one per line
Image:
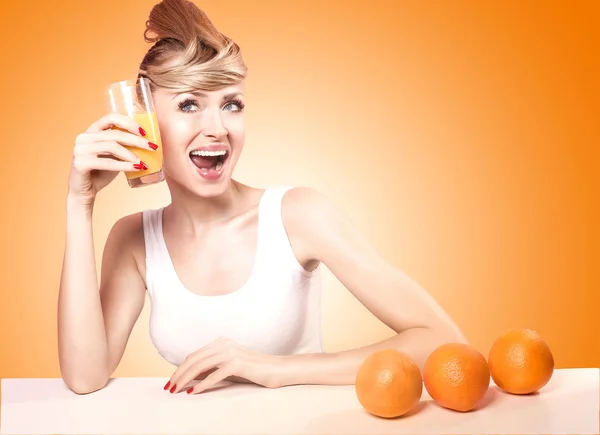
(189, 391)
(153, 145)
(144, 166)
(138, 166)
(167, 386)
(142, 131)
(173, 389)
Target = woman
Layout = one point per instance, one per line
(232, 271)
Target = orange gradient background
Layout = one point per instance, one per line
(461, 137)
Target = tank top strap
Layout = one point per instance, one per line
(150, 221)
(270, 222)
(152, 227)
(275, 248)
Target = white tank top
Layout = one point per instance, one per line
(276, 311)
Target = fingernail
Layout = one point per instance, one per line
(142, 131)
(153, 145)
(173, 389)
(141, 165)
(167, 386)
(189, 391)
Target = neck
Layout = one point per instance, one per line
(189, 212)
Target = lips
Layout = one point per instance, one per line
(210, 160)
(212, 147)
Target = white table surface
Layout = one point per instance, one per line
(568, 404)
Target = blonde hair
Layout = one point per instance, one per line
(189, 53)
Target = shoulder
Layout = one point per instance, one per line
(301, 203)
(311, 219)
(306, 197)
(127, 235)
(129, 225)
(125, 243)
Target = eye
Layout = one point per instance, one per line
(190, 105)
(240, 105)
(185, 105)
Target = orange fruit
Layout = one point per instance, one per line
(456, 376)
(520, 361)
(388, 383)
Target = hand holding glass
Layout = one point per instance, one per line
(133, 98)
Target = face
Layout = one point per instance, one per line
(202, 137)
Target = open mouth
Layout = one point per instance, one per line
(209, 162)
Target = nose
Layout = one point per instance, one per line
(214, 126)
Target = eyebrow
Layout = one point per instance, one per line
(203, 95)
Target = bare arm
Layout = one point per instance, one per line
(319, 231)
(94, 323)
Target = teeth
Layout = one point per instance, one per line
(209, 153)
(219, 165)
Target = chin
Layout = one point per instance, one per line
(212, 190)
(202, 183)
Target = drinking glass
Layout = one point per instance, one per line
(133, 98)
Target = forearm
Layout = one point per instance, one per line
(81, 332)
(341, 368)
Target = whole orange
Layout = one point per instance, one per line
(520, 361)
(388, 383)
(456, 376)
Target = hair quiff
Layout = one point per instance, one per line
(189, 53)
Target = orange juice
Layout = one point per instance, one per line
(152, 159)
(134, 98)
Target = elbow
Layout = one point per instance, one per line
(81, 377)
(453, 334)
(83, 386)
(450, 333)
